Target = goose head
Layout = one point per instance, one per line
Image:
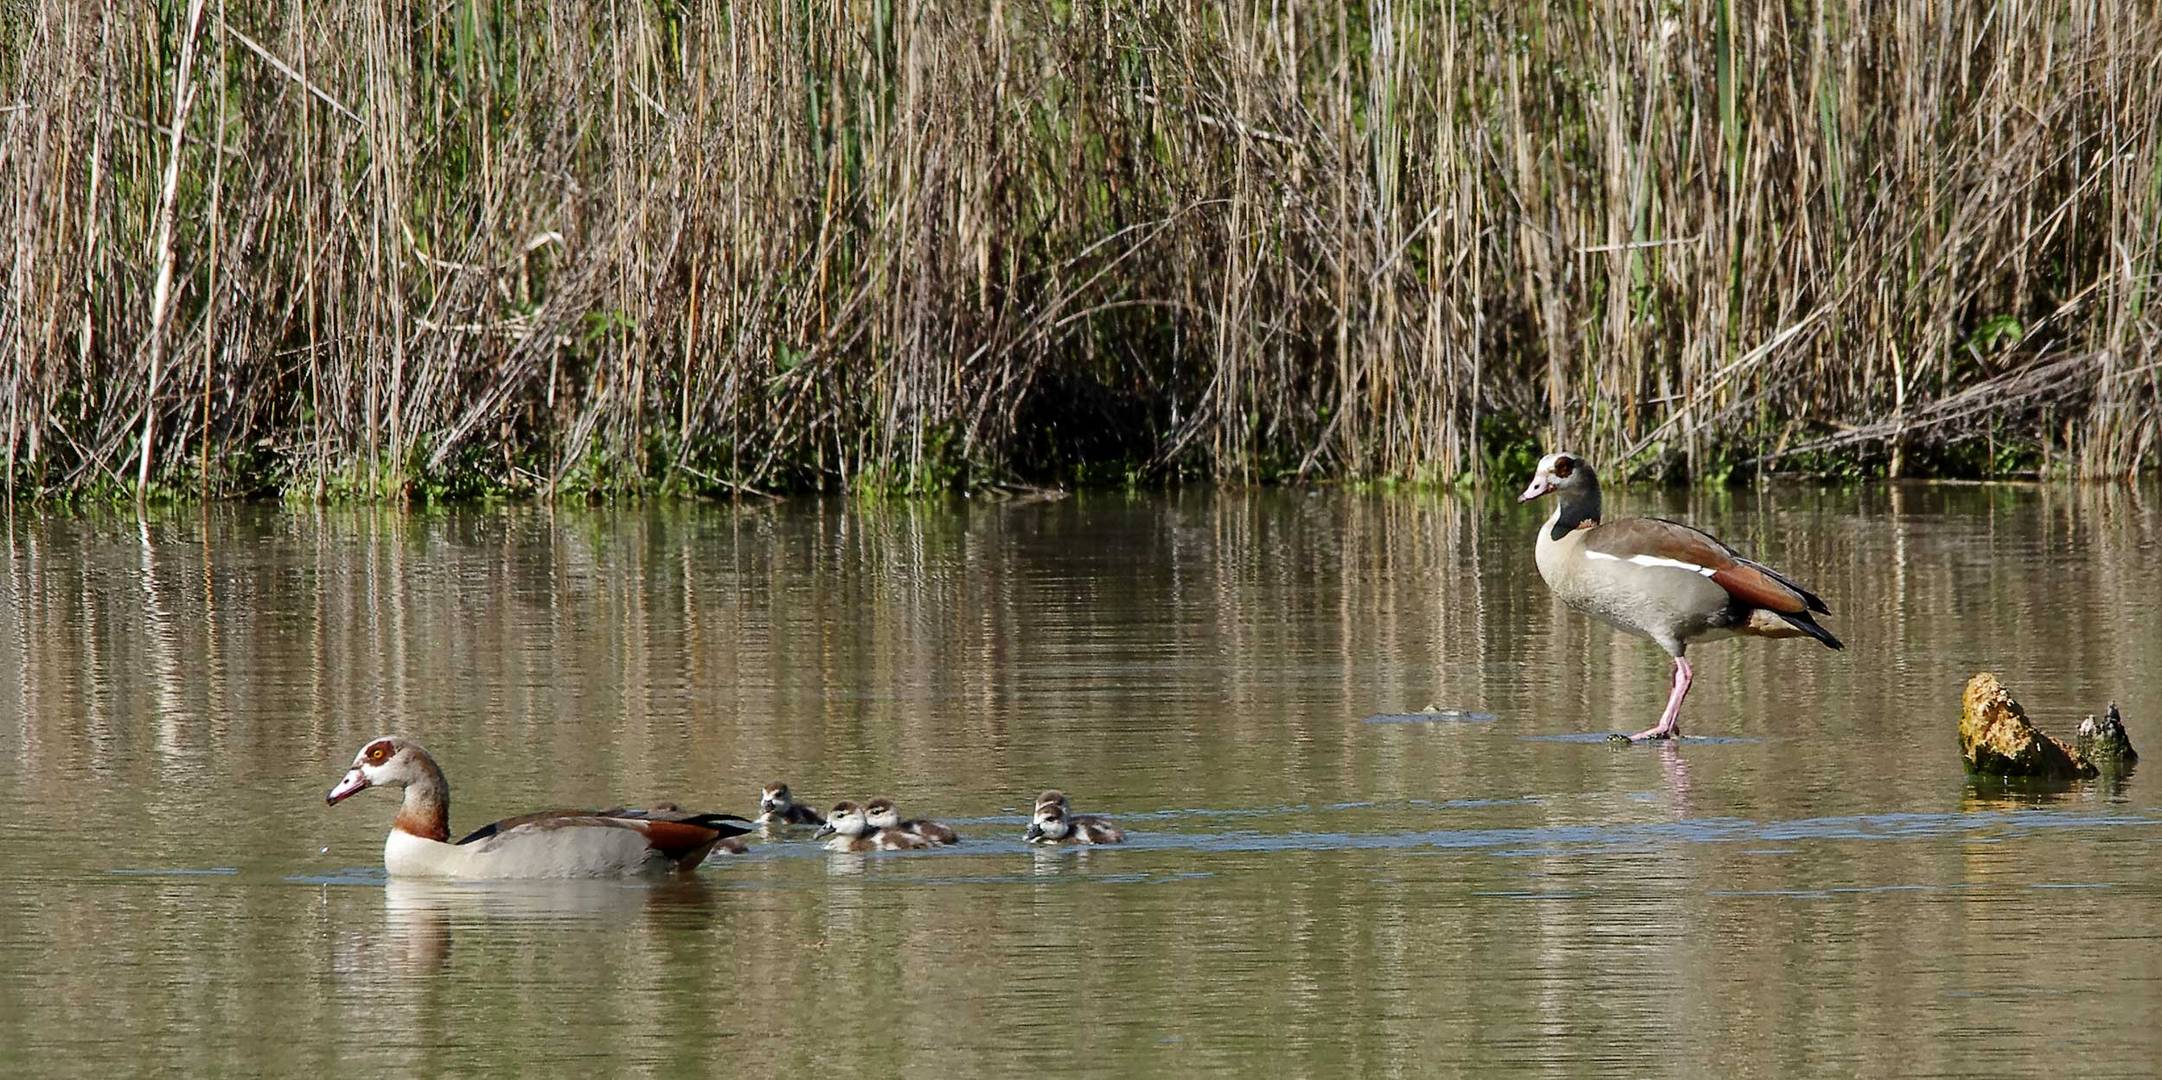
(775, 799)
(1566, 473)
(1049, 824)
(391, 761)
(845, 820)
(880, 814)
(1052, 797)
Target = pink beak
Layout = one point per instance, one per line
(1540, 485)
(352, 783)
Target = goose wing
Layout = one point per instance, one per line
(1654, 542)
(667, 828)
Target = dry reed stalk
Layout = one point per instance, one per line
(886, 244)
(162, 291)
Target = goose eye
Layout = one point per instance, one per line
(378, 754)
(1563, 466)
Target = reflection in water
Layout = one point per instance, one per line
(1816, 888)
(421, 918)
(1675, 768)
(416, 920)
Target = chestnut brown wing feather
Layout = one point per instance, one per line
(1751, 584)
(678, 839)
(1810, 601)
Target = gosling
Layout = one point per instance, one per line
(1053, 825)
(850, 832)
(777, 807)
(881, 815)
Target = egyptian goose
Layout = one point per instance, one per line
(851, 831)
(1053, 825)
(882, 815)
(1660, 579)
(551, 844)
(777, 807)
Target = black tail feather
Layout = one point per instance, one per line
(1802, 621)
(725, 824)
(1814, 602)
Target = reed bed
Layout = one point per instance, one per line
(463, 246)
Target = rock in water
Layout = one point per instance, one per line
(2104, 742)
(1998, 740)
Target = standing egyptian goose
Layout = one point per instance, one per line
(881, 815)
(551, 844)
(1660, 579)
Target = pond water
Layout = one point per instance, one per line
(1811, 887)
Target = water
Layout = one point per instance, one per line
(1811, 888)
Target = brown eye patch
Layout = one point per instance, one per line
(1564, 466)
(378, 753)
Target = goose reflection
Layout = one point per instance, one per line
(1674, 768)
(1054, 860)
(422, 919)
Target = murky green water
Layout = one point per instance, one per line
(1814, 890)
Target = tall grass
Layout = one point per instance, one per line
(580, 245)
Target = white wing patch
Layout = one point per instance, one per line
(1653, 560)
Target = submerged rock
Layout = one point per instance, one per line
(2103, 741)
(1998, 740)
(1434, 714)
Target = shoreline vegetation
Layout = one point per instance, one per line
(476, 248)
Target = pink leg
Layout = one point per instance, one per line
(1670, 721)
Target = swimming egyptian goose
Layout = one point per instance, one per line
(1053, 825)
(1660, 579)
(881, 815)
(851, 831)
(551, 844)
(777, 807)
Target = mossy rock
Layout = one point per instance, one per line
(2102, 740)
(1999, 741)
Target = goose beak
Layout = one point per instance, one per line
(1540, 485)
(823, 832)
(354, 781)
(1033, 834)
